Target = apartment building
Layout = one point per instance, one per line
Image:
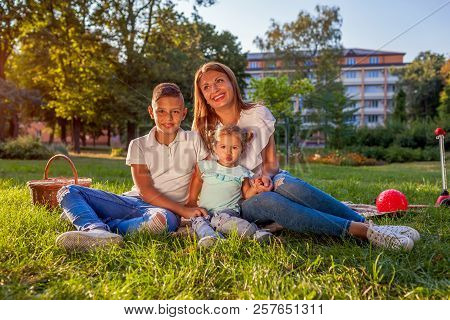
(365, 74)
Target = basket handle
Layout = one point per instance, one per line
(74, 171)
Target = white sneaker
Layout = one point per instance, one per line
(263, 236)
(208, 241)
(85, 240)
(242, 227)
(388, 239)
(411, 233)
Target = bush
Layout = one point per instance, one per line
(398, 154)
(25, 147)
(419, 134)
(379, 136)
(118, 152)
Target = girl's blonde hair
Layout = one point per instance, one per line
(244, 135)
(205, 118)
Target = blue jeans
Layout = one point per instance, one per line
(90, 209)
(298, 206)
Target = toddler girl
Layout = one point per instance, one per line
(223, 184)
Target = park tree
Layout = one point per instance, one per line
(277, 94)
(421, 81)
(71, 64)
(444, 106)
(12, 15)
(300, 43)
(399, 113)
(311, 46)
(132, 27)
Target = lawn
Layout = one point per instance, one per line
(167, 267)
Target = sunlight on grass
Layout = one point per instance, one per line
(167, 267)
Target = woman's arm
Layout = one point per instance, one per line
(270, 160)
(144, 183)
(270, 167)
(248, 190)
(195, 187)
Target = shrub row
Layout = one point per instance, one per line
(419, 134)
(29, 148)
(397, 154)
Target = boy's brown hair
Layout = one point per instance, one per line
(166, 89)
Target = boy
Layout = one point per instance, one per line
(161, 163)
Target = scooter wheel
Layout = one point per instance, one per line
(445, 203)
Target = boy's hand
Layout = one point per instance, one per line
(194, 212)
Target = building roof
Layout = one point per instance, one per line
(346, 52)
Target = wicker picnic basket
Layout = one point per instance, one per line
(44, 191)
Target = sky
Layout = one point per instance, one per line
(366, 24)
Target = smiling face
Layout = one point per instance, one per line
(228, 149)
(217, 89)
(168, 112)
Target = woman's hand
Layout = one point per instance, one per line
(262, 183)
(194, 212)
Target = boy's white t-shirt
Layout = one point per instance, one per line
(171, 167)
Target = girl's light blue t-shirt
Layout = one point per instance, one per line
(221, 187)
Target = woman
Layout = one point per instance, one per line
(287, 200)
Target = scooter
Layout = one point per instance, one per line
(444, 198)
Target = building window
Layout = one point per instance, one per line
(371, 104)
(373, 60)
(372, 118)
(373, 89)
(373, 74)
(352, 105)
(352, 89)
(351, 61)
(254, 65)
(350, 74)
(391, 88)
(271, 65)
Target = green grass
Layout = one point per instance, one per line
(165, 267)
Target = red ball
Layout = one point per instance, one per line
(439, 132)
(391, 200)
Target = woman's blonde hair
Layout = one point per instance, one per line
(244, 135)
(205, 118)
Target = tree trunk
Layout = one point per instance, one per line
(83, 134)
(14, 126)
(2, 122)
(63, 125)
(52, 134)
(131, 132)
(76, 128)
(109, 135)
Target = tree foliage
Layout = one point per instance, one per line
(311, 45)
(444, 106)
(422, 82)
(277, 93)
(95, 62)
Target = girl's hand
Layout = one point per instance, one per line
(194, 212)
(262, 183)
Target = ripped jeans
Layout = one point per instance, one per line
(88, 209)
(298, 206)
